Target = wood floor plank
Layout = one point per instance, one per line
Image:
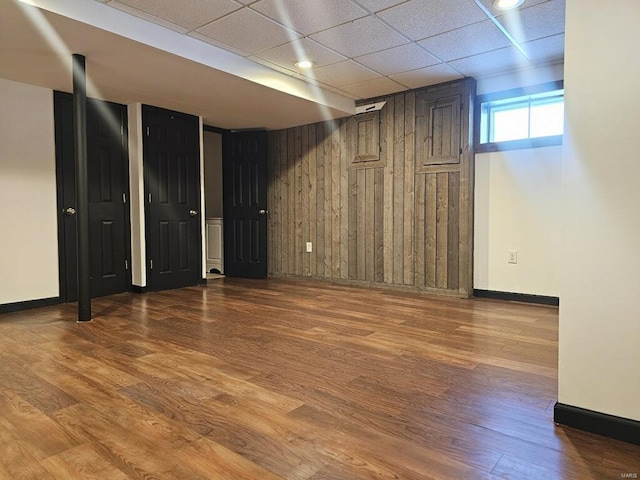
(287, 379)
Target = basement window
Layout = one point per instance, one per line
(523, 118)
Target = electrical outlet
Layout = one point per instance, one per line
(513, 256)
(309, 247)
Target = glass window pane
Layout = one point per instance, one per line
(511, 124)
(547, 119)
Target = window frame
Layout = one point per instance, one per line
(520, 143)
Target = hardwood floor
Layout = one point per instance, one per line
(278, 379)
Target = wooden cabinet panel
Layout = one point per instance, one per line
(437, 131)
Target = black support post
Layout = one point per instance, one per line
(82, 187)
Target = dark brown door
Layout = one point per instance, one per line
(244, 176)
(172, 187)
(108, 187)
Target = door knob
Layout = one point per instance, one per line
(70, 211)
(263, 212)
(193, 213)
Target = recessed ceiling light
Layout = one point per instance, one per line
(304, 64)
(507, 4)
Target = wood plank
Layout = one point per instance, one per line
(409, 189)
(398, 194)
(359, 245)
(271, 182)
(335, 199)
(369, 225)
(346, 154)
(306, 200)
(313, 195)
(421, 239)
(290, 201)
(319, 247)
(386, 133)
(298, 214)
(356, 198)
(328, 199)
(442, 229)
(467, 166)
(431, 229)
(453, 239)
(378, 225)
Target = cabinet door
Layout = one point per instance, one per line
(437, 130)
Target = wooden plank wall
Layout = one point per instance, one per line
(396, 223)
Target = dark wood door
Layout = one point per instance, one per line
(244, 175)
(172, 186)
(108, 187)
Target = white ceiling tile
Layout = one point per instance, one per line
(419, 19)
(462, 42)
(377, 5)
(360, 37)
(374, 88)
(308, 17)
(302, 49)
(222, 45)
(398, 59)
(426, 76)
(504, 59)
(147, 16)
(248, 31)
(343, 73)
(539, 21)
(190, 14)
(545, 50)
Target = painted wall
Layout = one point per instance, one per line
(29, 239)
(517, 194)
(600, 277)
(136, 191)
(213, 174)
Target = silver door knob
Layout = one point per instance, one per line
(263, 212)
(70, 211)
(193, 213)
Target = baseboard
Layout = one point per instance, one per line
(595, 422)
(517, 297)
(138, 289)
(29, 304)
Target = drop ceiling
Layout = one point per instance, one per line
(360, 49)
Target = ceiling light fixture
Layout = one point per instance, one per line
(507, 4)
(304, 64)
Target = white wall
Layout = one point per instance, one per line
(136, 189)
(29, 239)
(517, 194)
(213, 174)
(599, 367)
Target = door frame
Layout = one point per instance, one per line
(59, 96)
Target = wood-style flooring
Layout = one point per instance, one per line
(280, 379)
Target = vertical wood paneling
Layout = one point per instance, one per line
(356, 202)
(378, 224)
(361, 234)
(318, 247)
(420, 239)
(398, 193)
(409, 187)
(313, 208)
(369, 208)
(395, 220)
(387, 153)
(345, 153)
(298, 212)
(431, 222)
(328, 198)
(453, 238)
(442, 216)
(335, 199)
(305, 193)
